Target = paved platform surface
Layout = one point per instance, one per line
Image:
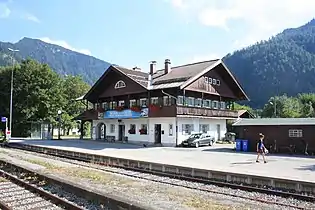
(218, 157)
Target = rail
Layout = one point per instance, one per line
(111, 202)
(282, 187)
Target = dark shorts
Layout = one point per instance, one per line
(261, 151)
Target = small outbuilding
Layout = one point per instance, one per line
(282, 135)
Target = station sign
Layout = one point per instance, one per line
(4, 119)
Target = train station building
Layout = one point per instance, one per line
(163, 106)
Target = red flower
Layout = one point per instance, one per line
(136, 108)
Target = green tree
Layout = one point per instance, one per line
(37, 95)
(73, 87)
(285, 107)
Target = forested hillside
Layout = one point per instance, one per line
(283, 64)
(61, 60)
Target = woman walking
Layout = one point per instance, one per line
(261, 149)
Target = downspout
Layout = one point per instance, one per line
(176, 120)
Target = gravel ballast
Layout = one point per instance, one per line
(149, 193)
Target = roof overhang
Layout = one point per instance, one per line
(194, 78)
(275, 122)
(191, 80)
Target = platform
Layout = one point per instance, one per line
(211, 158)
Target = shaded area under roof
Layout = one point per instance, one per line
(87, 115)
(274, 121)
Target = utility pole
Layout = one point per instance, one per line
(11, 93)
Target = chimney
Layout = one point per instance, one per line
(136, 68)
(152, 70)
(167, 67)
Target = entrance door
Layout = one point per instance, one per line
(101, 131)
(157, 134)
(121, 132)
(218, 131)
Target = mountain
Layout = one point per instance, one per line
(283, 64)
(63, 61)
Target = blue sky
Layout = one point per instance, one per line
(135, 32)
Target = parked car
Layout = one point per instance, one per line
(198, 139)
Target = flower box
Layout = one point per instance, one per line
(132, 131)
(136, 108)
(154, 107)
(143, 131)
(119, 108)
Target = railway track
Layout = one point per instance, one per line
(18, 194)
(177, 180)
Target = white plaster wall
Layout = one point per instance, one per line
(137, 138)
(167, 140)
(197, 122)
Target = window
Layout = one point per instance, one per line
(207, 103)
(143, 102)
(132, 129)
(187, 129)
(170, 129)
(112, 128)
(180, 100)
(296, 133)
(215, 104)
(206, 80)
(143, 129)
(121, 103)
(120, 84)
(190, 101)
(204, 128)
(133, 102)
(210, 81)
(105, 105)
(166, 101)
(218, 82)
(214, 81)
(198, 102)
(222, 105)
(154, 100)
(113, 104)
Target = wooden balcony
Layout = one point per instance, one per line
(196, 111)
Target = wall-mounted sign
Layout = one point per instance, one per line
(126, 114)
(4, 119)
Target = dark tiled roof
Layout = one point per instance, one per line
(177, 74)
(138, 76)
(184, 72)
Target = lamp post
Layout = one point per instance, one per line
(59, 123)
(275, 107)
(11, 93)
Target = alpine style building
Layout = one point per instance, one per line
(162, 106)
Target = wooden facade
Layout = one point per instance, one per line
(281, 138)
(219, 94)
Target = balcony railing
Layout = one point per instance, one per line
(183, 110)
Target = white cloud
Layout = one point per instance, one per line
(264, 18)
(4, 10)
(64, 44)
(32, 18)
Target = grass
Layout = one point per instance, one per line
(205, 204)
(99, 177)
(43, 163)
(89, 174)
(2, 179)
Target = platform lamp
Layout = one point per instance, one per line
(59, 123)
(11, 91)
